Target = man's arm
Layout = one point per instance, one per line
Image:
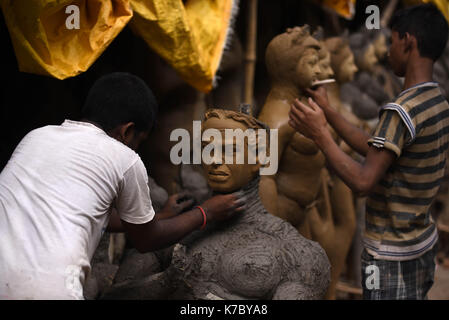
(355, 137)
(115, 224)
(159, 233)
(361, 178)
(175, 204)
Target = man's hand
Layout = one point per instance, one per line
(223, 207)
(176, 204)
(319, 95)
(160, 233)
(310, 121)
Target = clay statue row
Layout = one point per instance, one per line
(293, 238)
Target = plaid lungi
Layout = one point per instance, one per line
(398, 280)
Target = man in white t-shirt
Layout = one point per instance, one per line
(61, 184)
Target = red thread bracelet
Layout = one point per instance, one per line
(204, 217)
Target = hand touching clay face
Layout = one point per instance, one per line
(225, 177)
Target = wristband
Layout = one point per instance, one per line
(204, 217)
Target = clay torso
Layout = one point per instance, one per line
(299, 167)
(255, 256)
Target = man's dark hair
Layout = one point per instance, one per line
(427, 24)
(119, 98)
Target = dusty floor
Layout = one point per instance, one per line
(440, 289)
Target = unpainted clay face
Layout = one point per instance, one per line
(326, 71)
(292, 58)
(308, 68)
(380, 46)
(226, 178)
(347, 68)
(369, 59)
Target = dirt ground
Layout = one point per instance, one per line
(440, 288)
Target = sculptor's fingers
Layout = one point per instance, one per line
(299, 106)
(311, 92)
(296, 116)
(293, 125)
(241, 201)
(240, 209)
(175, 198)
(186, 204)
(319, 90)
(313, 104)
(238, 194)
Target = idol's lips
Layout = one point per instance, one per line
(218, 173)
(219, 176)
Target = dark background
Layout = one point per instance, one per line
(30, 101)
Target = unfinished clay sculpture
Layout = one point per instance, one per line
(365, 94)
(299, 192)
(255, 255)
(293, 65)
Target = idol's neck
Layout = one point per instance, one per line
(251, 200)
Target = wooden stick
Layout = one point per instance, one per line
(250, 55)
(345, 287)
(388, 13)
(442, 227)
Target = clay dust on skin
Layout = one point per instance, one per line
(213, 151)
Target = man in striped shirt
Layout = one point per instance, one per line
(404, 159)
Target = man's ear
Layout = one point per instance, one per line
(410, 42)
(126, 132)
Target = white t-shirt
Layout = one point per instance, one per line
(56, 193)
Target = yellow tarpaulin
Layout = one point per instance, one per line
(344, 8)
(190, 36)
(443, 5)
(43, 43)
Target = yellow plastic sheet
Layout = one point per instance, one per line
(344, 8)
(190, 36)
(443, 5)
(44, 45)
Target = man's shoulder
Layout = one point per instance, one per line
(417, 99)
(117, 151)
(90, 141)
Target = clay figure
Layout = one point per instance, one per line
(255, 255)
(324, 59)
(365, 94)
(292, 63)
(300, 191)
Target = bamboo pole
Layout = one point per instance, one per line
(388, 12)
(348, 288)
(250, 55)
